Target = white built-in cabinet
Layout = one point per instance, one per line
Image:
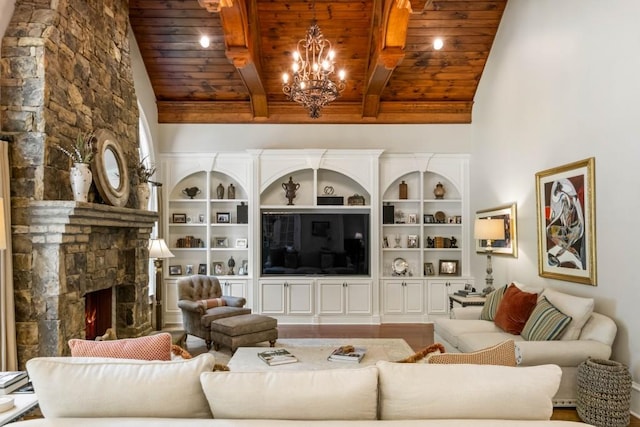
(383, 294)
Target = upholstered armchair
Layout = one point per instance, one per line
(201, 301)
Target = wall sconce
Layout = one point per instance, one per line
(489, 230)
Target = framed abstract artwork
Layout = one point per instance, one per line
(508, 246)
(565, 198)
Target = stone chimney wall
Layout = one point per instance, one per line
(66, 70)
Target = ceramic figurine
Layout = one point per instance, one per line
(290, 189)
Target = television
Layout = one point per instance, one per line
(315, 243)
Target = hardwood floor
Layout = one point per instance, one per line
(417, 335)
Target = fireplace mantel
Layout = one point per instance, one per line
(64, 212)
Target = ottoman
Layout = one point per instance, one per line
(245, 329)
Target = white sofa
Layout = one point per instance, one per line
(589, 334)
(126, 393)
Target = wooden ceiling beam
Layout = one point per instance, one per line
(452, 112)
(241, 47)
(389, 52)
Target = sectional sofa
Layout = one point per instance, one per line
(81, 391)
(587, 334)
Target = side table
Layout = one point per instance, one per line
(24, 403)
(466, 301)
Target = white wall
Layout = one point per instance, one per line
(561, 85)
(396, 138)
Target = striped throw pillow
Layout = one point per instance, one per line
(491, 304)
(546, 322)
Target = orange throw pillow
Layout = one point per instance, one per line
(514, 310)
(152, 347)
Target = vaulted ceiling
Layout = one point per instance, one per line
(394, 74)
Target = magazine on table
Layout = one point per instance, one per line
(278, 356)
(347, 353)
(12, 380)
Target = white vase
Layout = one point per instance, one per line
(144, 192)
(81, 177)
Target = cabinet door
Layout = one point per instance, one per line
(413, 296)
(393, 296)
(331, 297)
(300, 297)
(234, 288)
(358, 295)
(272, 300)
(438, 296)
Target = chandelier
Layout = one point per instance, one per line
(313, 65)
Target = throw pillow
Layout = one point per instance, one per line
(578, 308)
(210, 303)
(152, 347)
(546, 322)
(514, 309)
(424, 354)
(491, 304)
(500, 354)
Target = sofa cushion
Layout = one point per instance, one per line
(450, 329)
(578, 308)
(500, 354)
(332, 394)
(491, 304)
(152, 347)
(514, 309)
(101, 387)
(546, 322)
(426, 391)
(468, 343)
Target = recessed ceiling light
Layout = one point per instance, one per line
(438, 43)
(204, 41)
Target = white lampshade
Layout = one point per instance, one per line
(3, 236)
(158, 249)
(489, 229)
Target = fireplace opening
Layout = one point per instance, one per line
(98, 307)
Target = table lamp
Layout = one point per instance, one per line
(489, 229)
(158, 251)
(3, 231)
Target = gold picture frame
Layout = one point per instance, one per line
(509, 245)
(565, 199)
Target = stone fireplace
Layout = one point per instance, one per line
(67, 71)
(79, 248)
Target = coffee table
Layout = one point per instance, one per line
(312, 354)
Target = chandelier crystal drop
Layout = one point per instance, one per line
(310, 84)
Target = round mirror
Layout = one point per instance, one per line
(109, 168)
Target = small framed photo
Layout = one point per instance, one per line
(241, 243)
(458, 219)
(429, 219)
(217, 268)
(221, 242)
(412, 218)
(448, 267)
(175, 270)
(179, 218)
(428, 269)
(189, 269)
(244, 268)
(223, 217)
(202, 268)
(412, 241)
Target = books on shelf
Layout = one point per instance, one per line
(278, 356)
(347, 353)
(12, 380)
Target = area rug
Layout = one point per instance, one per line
(317, 348)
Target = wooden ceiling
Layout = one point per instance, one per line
(394, 75)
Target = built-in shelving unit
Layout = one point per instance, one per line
(423, 231)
